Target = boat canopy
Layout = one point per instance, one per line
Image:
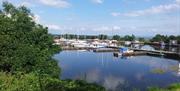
(123, 49)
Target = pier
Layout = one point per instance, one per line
(157, 53)
(166, 54)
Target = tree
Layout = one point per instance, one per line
(141, 39)
(116, 37)
(102, 36)
(25, 46)
(82, 37)
(129, 38)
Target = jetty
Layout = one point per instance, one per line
(166, 54)
(115, 50)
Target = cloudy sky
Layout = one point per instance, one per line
(139, 17)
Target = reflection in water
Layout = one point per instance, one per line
(118, 74)
(179, 70)
(139, 76)
(93, 76)
(111, 82)
(147, 47)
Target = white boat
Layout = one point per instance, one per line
(80, 45)
(127, 43)
(81, 50)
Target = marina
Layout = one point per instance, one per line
(112, 46)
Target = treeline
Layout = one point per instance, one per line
(165, 38)
(101, 37)
(74, 36)
(26, 51)
(156, 38)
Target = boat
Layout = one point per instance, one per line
(127, 43)
(81, 50)
(123, 51)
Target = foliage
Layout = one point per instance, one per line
(34, 82)
(129, 38)
(74, 36)
(25, 46)
(141, 39)
(173, 87)
(18, 82)
(102, 37)
(158, 71)
(116, 37)
(165, 38)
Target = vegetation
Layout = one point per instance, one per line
(26, 51)
(158, 71)
(101, 37)
(165, 38)
(173, 87)
(116, 37)
(156, 38)
(74, 36)
(31, 82)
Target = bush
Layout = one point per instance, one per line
(173, 87)
(36, 82)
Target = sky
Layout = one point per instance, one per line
(111, 17)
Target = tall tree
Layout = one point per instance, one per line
(25, 46)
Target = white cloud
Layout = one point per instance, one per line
(56, 3)
(116, 28)
(111, 82)
(102, 29)
(54, 27)
(115, 14)
(106, 28)
(153, 10)
(97, 1)
(37, 18)
(27, 4)
(178, 1)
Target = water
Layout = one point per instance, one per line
(118, 74)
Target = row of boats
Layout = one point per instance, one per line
(87, 44)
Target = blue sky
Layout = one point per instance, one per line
(122, 17)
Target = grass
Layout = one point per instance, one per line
(158, 71)
(173, 87)
(174, 68)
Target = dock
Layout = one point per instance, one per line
(105, 50)
(166, 54)
(77, 48)
(156, 53)
(116, 54)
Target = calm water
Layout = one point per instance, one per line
(118, 74)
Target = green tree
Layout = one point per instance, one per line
(159, 38)
(129, 38)
(102, 36)
(141, 39)
(25, 46)
(116, 37)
